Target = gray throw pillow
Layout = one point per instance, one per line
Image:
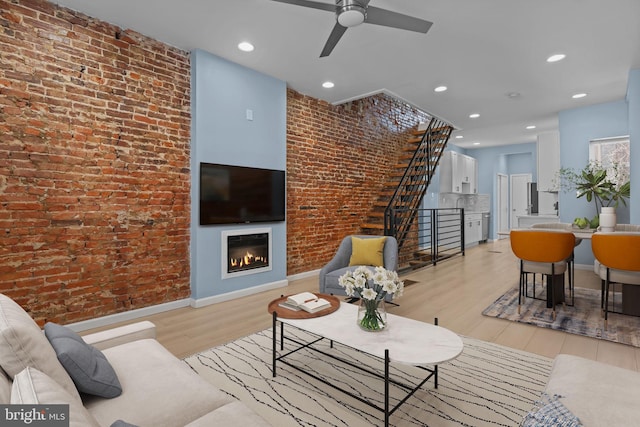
(120, 423)
(89, 369)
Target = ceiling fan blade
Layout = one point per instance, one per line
(312, 4)
(334, 37)
(378, 16)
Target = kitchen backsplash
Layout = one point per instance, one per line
(469, 202)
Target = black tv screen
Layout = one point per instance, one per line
(238, 194)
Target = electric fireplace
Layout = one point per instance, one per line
(246, 252)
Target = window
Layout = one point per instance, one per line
(613, 154)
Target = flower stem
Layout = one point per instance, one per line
(372, 319)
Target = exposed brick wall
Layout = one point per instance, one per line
(94, 165)
(338, 159)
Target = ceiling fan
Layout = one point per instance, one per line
(350, 13)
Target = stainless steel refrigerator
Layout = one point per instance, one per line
(532, 198)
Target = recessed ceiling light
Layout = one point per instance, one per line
(579, 95)
(531, 127)
(476, 143)
(245, 47)
(557, 57)
(474, 116)
(440, 89)
(459, 136)
(328, 85)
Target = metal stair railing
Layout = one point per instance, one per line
(402, 209)
(439, 234)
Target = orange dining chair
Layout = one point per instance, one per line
(619, 257)
(564, 226)
(542, 252)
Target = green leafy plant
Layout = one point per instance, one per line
(596, 184)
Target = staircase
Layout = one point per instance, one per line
(396, 209)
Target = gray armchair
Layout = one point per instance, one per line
(330, 273)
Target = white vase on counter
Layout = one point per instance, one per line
(608, 218)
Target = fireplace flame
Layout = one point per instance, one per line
(247, 260)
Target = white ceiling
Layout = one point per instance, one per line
(481, 50)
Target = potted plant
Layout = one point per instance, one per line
(598, 184)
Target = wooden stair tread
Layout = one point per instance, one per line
(403, 193)
(434, 141)
(438, 129)
(413, 174)
(405, 164)
(408, 181)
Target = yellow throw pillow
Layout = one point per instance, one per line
(367, 251)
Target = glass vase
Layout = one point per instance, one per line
(372, 315)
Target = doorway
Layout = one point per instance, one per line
(518, 199)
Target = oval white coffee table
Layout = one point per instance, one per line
(405, 341)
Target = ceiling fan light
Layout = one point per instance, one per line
(351, 15)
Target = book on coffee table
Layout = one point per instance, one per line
(285, 304)
(306, 301)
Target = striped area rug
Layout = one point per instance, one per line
(487, 385)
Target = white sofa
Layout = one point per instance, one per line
(597, 393)
(157, 388)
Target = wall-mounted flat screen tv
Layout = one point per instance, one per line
(238, 194)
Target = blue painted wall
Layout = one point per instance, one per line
(510, 159)
(506, 159)
(221, 94)
(633, 101)
(577, 127)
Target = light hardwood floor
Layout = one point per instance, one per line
(456, 291)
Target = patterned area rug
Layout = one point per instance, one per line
(583, 318)
(487, 384)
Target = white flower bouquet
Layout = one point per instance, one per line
(371, 287)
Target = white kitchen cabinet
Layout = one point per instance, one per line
(458, 173)
(548, 161)
(472, 228)
(451, 165)
(469, 175)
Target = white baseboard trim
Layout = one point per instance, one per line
(127, 315)
(201, 302)
(112, 319)
(303, 275)
(583, 267)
